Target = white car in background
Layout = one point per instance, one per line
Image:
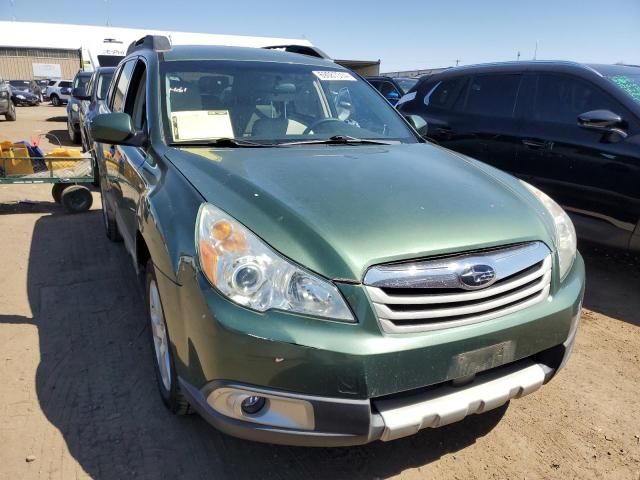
(59, 91)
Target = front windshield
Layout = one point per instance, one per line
(270, 103)
(630, 84)
(406, 84)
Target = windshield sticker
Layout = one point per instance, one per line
(201, 125)
(334, 75)
(628, 85)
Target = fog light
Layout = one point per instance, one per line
(252, 405)
(262, 408)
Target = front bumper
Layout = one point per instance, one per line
(363, 384)
(340, 422)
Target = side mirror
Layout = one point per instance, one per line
(79, 94)
(419, 123)
(602, 120)
(115, 129)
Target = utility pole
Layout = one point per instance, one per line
(518, 55)
(106, 3)
(535, 52)
(457, 62)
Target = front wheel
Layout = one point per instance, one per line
(55, 100)
(164, 365)
(11, 113)
(74, 134)
(109, 222)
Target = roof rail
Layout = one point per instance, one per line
(158, 43)
(301, 49)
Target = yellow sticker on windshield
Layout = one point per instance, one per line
(201, 125)
(334, 75)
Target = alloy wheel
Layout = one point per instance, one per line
(159, 333)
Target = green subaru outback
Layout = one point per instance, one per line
(316, 273)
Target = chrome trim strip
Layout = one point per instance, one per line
(378, 295)
(385, 312)
(389, 326)
(445, 272)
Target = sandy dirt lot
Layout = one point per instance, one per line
(78, 396)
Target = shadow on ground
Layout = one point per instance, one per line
(613, 282)
(28, 206)
(60, 138)
(58, 118)
(95, 382)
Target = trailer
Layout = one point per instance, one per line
(69, 174)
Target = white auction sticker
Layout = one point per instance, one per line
(334, 75)
(201, 125)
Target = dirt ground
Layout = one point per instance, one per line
(78, 396)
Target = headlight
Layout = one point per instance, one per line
(74, 107)
(249, 272)
(565, 232)
(21, 97)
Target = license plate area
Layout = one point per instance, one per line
(486, 358)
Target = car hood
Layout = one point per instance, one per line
(337, 210)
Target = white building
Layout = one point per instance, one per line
(48, 50)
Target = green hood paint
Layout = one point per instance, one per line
(337, 210)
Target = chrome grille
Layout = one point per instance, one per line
(434, 294)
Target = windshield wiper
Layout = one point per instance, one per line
(224, 142)
(338, 140)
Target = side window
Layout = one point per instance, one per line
(561, 98)
(136, 103)
(89, 88)
(493, 95)
(446, 94)
(120, 90)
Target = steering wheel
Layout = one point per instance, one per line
(323, 121)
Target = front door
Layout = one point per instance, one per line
(587, 172)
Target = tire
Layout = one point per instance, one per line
(11, 113)
(56, 191)
(76, 199)
(163, 363)
(74, 134)
(110, 225)
(55, 100)
(96, 172)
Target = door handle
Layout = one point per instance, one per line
(535, 144)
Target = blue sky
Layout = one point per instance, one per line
(404, 35)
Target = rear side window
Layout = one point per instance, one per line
(493, 95)
(561, 98)
(65, 84)
(446, 94)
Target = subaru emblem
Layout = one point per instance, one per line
(477, 276)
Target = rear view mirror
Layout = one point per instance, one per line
(602, 120)
(344, 106)
(115, 129)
